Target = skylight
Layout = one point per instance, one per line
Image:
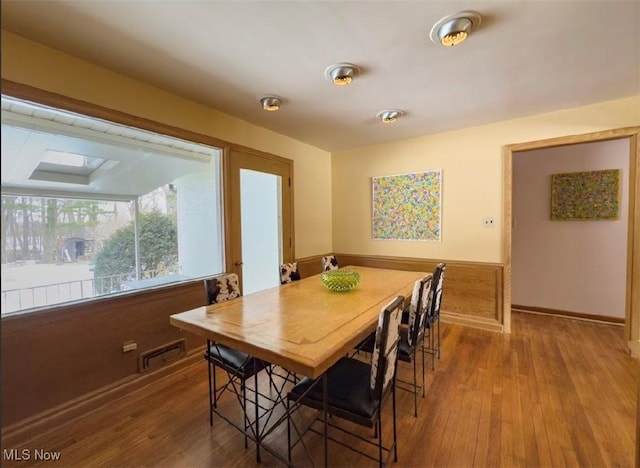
(60, 158)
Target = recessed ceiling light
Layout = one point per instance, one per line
(389, 116)
(341, 74)
(270, 103)
(453, 29)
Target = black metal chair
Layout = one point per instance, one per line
(329, 262)
(411, 337)
(289, 273)
(433, 313)
(356, 391)
(239, 366)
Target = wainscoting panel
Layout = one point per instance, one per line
(310, 266)
(472, 291)
(78, 349)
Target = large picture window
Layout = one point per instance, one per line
(89, 212)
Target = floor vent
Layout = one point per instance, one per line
(161, 356)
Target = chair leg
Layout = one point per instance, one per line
(423, 390)
(325, 411)
(271, 382)
(415, 387)
(255, 375)
(210, 392)
(215, 387)
(244, 411)
(288, 433)
(379, 427)
(438, 336)
(432, 349)
(395, 435)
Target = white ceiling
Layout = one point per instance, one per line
(527, 57)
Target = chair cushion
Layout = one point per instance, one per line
(330, 262)
(236, 362)
(289, 273)
(222, 288)
(347, 389)
(405, 351)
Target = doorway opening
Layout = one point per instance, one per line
(569, 237)
(632, 280)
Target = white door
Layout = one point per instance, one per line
(261, 221)
(259, 215)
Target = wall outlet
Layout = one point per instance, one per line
(488, 222)
(129, 346)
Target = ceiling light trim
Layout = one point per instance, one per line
(270, 103)
(454, 29)
(341, 74)
(389, 115)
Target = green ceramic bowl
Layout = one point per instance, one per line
(340, 280)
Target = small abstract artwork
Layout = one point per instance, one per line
(591, 195)
(408, 206)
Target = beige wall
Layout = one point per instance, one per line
(576, 266)
(32, 64)
(472, 180)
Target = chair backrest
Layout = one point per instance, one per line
(330, 262)
(222, 288)
(418, 308)
(289, 272)
(385, 351)
(435, 298)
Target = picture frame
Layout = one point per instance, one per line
(407, 206)
(585, 196)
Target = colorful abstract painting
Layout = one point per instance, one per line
(592, 195)
(407, 206)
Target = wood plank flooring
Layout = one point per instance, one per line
(555, 392)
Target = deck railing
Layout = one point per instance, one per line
(14, 300)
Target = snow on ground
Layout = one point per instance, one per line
(23, 284)
(28, 274)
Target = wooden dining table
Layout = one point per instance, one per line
(302, 326)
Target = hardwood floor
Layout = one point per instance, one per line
(555, 392)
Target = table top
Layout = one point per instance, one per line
(301, 326)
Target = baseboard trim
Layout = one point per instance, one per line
(567, 314)
(22, 432)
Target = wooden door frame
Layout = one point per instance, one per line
(288, 252)
(632, 302)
